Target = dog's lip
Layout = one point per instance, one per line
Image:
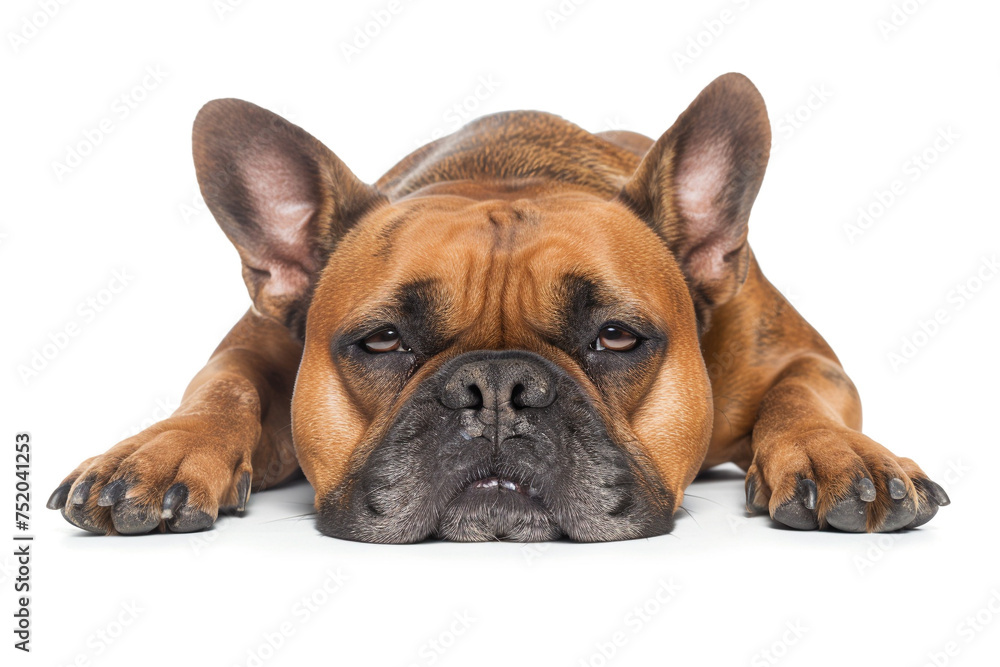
(502, 484)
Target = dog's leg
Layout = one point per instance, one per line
(284, 200)
(230, 434)
(784, 408)
(813, 467)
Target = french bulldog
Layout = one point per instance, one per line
(523, 331)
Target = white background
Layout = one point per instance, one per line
(741, 583)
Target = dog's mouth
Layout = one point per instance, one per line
(497, 484)
(497, 507)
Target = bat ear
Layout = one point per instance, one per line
(282, 197)
(697, 183)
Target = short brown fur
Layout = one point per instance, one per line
(496, 216)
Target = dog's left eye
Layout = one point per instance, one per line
(386, 340)
(615, 339)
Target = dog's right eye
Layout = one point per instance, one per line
(615, 339)
(386, 340)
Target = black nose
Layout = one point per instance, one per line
(490, 380)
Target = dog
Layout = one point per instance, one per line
(523, 331)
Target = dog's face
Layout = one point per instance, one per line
(508, 368)
(492, 362)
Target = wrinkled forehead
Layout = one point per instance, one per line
(501, 268)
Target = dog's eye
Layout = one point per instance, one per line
(616, 339)
(386, 340)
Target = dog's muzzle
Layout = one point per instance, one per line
(497, 445)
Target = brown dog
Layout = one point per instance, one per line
(522, 331)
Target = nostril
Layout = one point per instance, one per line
(491, 384)
(463, 392)
(516, 396)
(477, 397)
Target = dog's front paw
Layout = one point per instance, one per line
(175, 475)
(842, 479)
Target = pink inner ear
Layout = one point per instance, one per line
(699, 182)
(283, 196)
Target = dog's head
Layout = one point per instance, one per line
(501, 338)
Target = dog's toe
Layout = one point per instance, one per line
(59, 497)
(931, 496)
(800, 511)
(182, 517)
(850, 513)
(77, 508)
(133, 517)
